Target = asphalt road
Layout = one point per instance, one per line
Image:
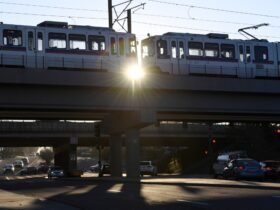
(174, 193)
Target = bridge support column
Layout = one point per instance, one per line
(65, 155)
(132, 154)
(116, 155)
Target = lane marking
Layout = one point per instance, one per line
(194, 203)
(277, 196)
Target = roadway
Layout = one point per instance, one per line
(163, 192)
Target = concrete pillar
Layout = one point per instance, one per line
(116, 155)
(65, 155)
(132, 153)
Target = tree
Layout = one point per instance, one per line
(47, 155)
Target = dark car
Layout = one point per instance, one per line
(31, 170)
(55, 171)
(105, 169)
(43, 168)
(270, 168)
(243, 169)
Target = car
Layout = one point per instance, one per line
(55, 171)
(270, 168)
(243, 168)
(8, 169)
(30, 170)
(18, 164)
(105, 169)
(148, 168)
(223, 159)
(94, 168)
(43, 168)
(24, 159)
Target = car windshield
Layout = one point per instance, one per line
(56, 168)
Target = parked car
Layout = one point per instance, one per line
(270, 168)
(148, 168)
(55, 171)
(8, 169)
(243, 169)
(18, 164)
(28, 170)
(223, 159)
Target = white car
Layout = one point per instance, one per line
(18, 164)
(147, 168)
(8, 168)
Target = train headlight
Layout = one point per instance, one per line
(135, 72)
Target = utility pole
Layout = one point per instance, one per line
(129, 29)
(110, 14)
(120, 20)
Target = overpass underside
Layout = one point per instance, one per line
(125, 109)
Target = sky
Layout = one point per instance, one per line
(157, 17)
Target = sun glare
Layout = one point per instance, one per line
(135, 72)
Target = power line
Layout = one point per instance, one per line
(50, 15)
(215, 9)
(198, 29)
(201, 19)
(51, 7)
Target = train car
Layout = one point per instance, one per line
(211, 55)
(57, 45)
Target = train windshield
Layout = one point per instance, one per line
(148, 48)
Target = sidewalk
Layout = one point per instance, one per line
(9, 200)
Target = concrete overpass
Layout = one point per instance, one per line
(53, 133)
(58, 94)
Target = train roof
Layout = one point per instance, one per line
(65, 25)
(209, 35)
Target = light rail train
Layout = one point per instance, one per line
(57, 45)
(212, 55)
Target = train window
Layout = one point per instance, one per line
(113, 46)
(195, 48)
(181, 50)
(227, 51)
(96, 43)
(162, 48)
(121, 46)
(132, 45)
(30, 40)
(241, 53)
(12, 37)
(211, 50)
(147, 48)
(248, 54)
(40, 41)
(261, 53)
(57, 40)
(173, 49)
(77, 41)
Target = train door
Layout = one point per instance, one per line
(40, 49)
(114, 57)
(245, 60)
(30, 53)
(34, 57)
(178, 61)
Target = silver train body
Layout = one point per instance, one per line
(57, 45)
(212, 55)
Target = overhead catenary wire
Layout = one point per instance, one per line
(52, 7)
(216, 9)
(151, 15)
(51, 15)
